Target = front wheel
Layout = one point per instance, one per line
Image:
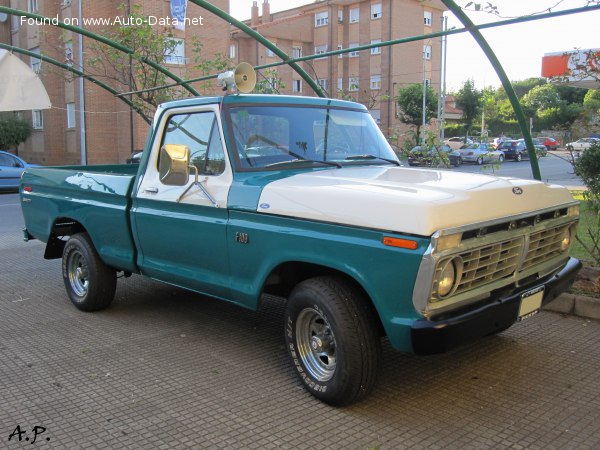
(90, 283)
(479, 161)
(519, 157)
(500, 159)
(332, 338)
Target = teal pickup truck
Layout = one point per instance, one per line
(245, 195)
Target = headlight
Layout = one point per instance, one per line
(566, 240)
(450, 273)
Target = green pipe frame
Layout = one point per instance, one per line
(76, 72)
(96, 37)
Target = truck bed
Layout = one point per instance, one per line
(96, 197)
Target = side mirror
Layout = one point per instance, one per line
(173, 164)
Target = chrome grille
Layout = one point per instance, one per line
(544, 245)
(490, 263)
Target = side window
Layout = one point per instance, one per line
(5, 161)
(200, 132)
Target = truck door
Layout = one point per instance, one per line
(181, 236)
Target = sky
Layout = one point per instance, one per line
(518, 47)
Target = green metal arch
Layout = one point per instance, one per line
(510, 92)
(99, 38)
(76, 72)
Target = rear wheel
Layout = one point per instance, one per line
(519, 157)
(332, 338)
(89, 282)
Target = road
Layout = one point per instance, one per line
(165, 368)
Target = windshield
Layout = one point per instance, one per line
(287, 137)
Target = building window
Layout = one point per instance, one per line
(296, 85)
(375, 82)
(32, 6)
(340, 16)
(71, 115)
(37, 119)
(324, 83)
(176, 53)
(340, 84)
(428, 82)
(340, 47)
(427, 17)
(270, 53)
(427, 52)
(319, 49)
(232, 51)
(375, 11)
(273, 85)
(322, 19)
(354, 15)
(36, 63)
(353, 54)
(376, 114)
(353, 84)
(15, 23)
(69, 53)
(296, 52)
(375, 50)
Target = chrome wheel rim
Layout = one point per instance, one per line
(78, 273)
(316, 344)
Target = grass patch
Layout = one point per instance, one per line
(588, 220)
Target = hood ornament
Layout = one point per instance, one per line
(517, 190)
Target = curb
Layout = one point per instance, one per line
(578, 305)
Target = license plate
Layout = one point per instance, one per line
(531, 302)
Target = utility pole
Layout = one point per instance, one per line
(444, 52)
(440, 94)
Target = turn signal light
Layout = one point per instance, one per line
(400, 243)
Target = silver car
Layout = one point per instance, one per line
(481, 153)
(11, 168)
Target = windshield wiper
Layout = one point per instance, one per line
(363, 157)
(293, 161)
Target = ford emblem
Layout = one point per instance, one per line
(264, 206)
(517, 191)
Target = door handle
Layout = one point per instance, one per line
(151, 190)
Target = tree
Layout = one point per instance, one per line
(13, 131)
(410, 102)
(468, 99)
(591, 102)
(268, 82)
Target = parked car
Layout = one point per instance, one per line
(515, 150)
(549, 142)
(457, 142)
(11, 169)
(481, 153)
(420, 156)
(540, 149)
(582, 144)
(135, 157)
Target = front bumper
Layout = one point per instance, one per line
(437, 336)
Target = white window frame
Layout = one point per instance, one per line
(427, 18)
(232, 51)
(376, 11)
(354, 15)
(353, 84)
(340, 84)
(177, 56)
(35, 63)
(37, 119)
(71, 116)
(427, 52)
(375, 50)
(353, 54)
(297, 51)
(324, 83)
(375, 82)
(321, 19)
(376, 115)
(340, 47)
(33, 6)
(297, 86)
(270, 53)
(340, 16)
(321, 49)
(69, 53)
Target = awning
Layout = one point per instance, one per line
(20, 87)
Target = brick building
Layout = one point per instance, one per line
(369, 76)
(112, 131)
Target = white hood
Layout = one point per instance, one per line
(411, 201)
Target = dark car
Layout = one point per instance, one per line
(436, 156)
(549, 142)
(11, 169)
(515, 150)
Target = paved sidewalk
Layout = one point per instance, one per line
(163, 368)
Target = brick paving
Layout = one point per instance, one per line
(164, 368)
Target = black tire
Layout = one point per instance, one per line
(458, 162)
(90, 283)
(519, 157)
(479, 161)
(332, 337)
(500, 159)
